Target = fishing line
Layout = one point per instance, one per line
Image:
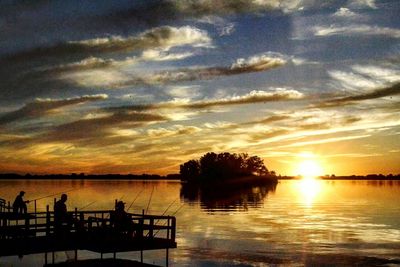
(133, 201)
(148, 204)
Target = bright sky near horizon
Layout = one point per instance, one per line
(143, 86)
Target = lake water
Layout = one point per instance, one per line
(295, 223)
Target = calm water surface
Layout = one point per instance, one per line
(295, 223)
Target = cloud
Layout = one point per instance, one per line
(116, 78)
(159, 11)
(362, 4)
(377, 93)
(188, 92)
(87, 63)
(253, 64)
(280, 94)
(355, 29)
(344, 12)
(326, 140)
(270, 119)
(164, 55)
(174, 131)
(42, 107)
(159, 37)
(94, 130)
(361, 78)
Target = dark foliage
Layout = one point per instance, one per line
(222, 166)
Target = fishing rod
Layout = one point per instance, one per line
(91, 203)
(148, 204)
(133, 201)
(54, 194)
(169, 206)
(171, 215)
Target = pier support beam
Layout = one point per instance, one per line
(167, 258)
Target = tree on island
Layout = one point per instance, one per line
(217, 167)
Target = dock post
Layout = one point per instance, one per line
(52, 257)
(45, 258)
(76, 254)
(35, 216)
(173, 229)
(141, 256)
(166, 258)
(76, 219)
(151, 228)
(47, 220)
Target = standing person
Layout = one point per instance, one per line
(19, 205)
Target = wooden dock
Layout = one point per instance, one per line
(32, 233)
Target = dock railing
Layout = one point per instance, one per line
(42, 223)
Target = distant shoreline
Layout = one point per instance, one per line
(152, 177)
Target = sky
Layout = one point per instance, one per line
(143, 86)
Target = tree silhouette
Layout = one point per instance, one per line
(216, 167)
(190, 170)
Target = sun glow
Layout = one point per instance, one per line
(308, 166)
(309, 189)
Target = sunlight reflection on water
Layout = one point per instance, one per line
(309, 189)
(287, 224)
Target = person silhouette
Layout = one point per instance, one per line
(19, 205)
(62, 220)
(121, 220)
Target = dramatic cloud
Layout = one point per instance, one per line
(115, 78)
(97, 131)
(378, 93)
(159, 37)
(360, 78)
(159, 11)
(95, 62)
(42, 107)
(252, 97)
(185, 77)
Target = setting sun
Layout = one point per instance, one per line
(308, 166)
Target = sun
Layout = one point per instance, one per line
(308, 166)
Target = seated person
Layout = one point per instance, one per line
(121, 220)
(19, 205)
